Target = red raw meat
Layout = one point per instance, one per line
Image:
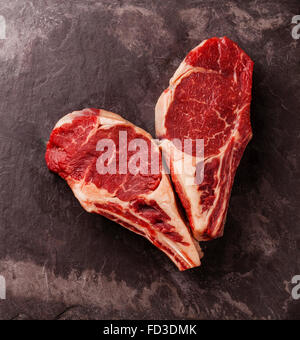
(208, 98)
(143, 203)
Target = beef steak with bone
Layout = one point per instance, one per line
(208, 98)
(143, 203)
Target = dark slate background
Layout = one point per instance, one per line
(61, 262)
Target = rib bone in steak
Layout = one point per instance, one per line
(143, 203)
(208, 98)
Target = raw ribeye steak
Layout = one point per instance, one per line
(141, 201)
(208, 98)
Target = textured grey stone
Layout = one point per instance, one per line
(61, 262)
